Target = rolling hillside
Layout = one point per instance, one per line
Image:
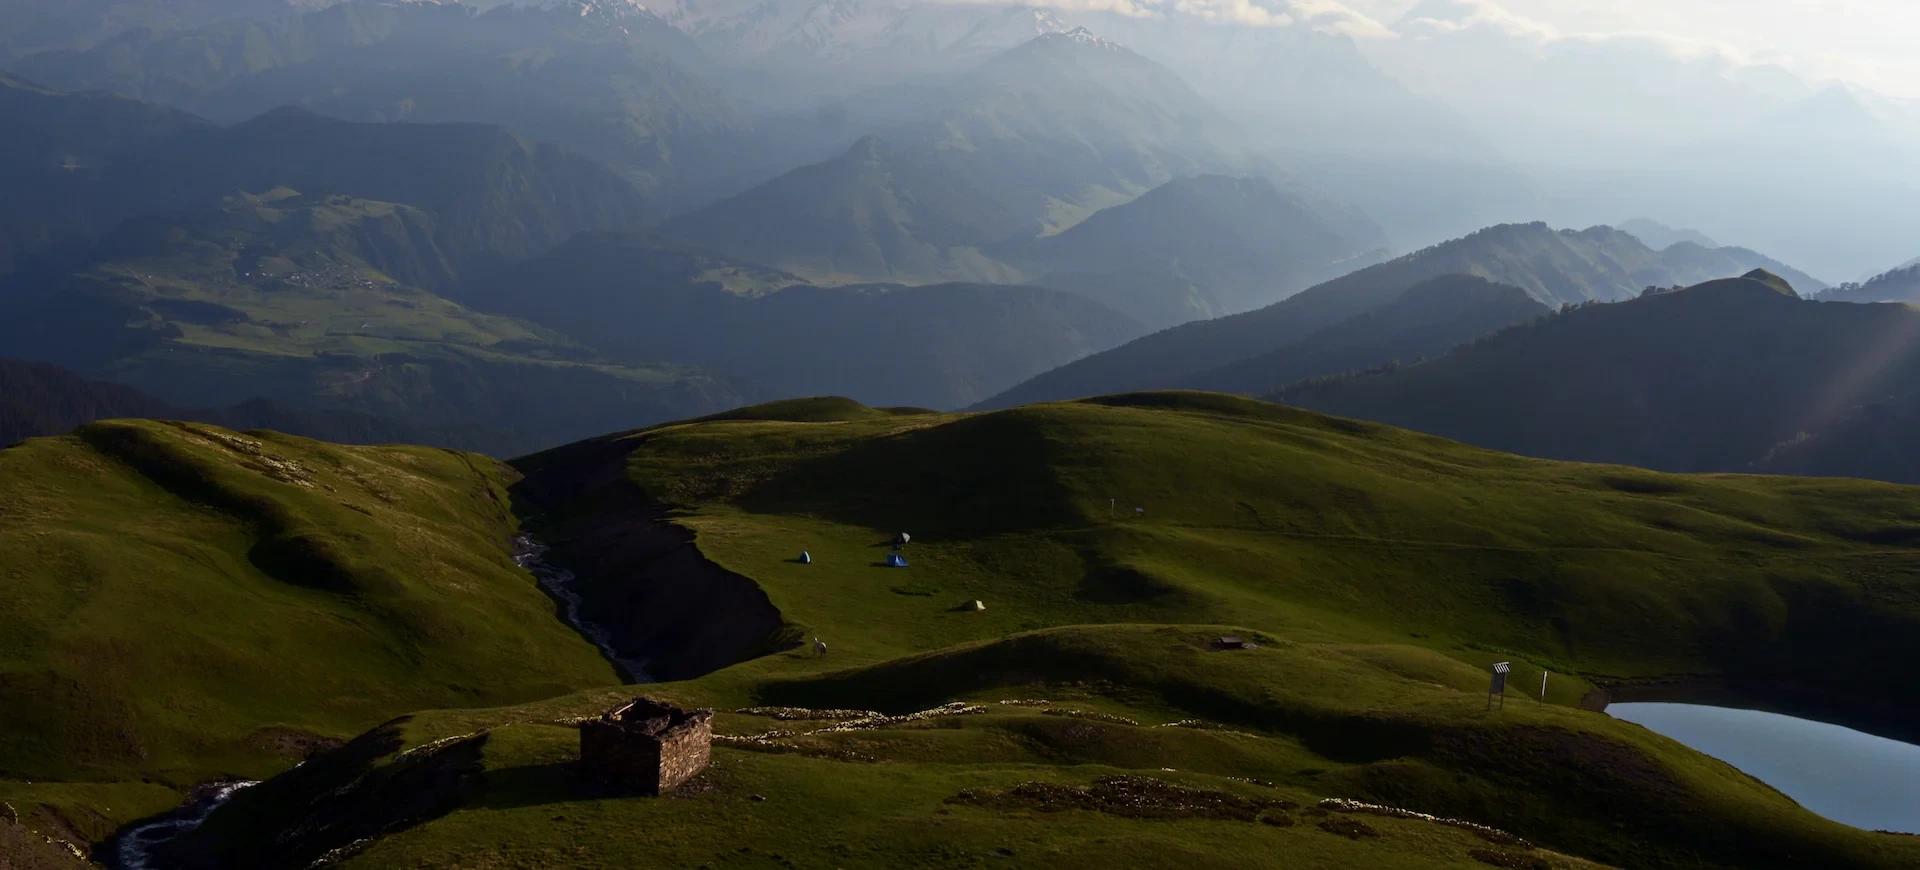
(1379, 571)
(1733, 375)
(184, 603)
(1556, 267)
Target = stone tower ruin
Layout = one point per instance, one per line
(647, 745)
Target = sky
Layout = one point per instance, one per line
(1867, 42)
(1871, 42)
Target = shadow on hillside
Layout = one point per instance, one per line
(558, 782)
(365, 789)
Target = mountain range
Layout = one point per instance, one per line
(1554, 267)
(614, 84)
(1732, 375)
(944, 345)
(39, 400)
(1898, 285)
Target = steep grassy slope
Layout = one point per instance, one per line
(1555, 267)
(1380, 571)
(182, 601)
(1733, 375)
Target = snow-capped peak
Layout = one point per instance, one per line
(1079, 36)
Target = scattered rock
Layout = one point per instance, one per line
(1514, 860)
(1352, 829)
(1088, 714)
(1137, 797)
(756, 797)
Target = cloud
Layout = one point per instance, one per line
(1237, 11)
(1332, 16)
(1440, 17)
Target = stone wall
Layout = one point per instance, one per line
(685, 752)
(648, 746)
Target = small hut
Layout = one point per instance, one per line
(646, 744)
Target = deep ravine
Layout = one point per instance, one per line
(134, 849)
(530, 553)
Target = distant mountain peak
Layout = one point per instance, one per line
(1771, 280)
(870, 148)
(1077, 36)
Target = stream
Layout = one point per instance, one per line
(530, 554)
(134, 851)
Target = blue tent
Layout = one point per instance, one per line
(806, 558)
(895, 560)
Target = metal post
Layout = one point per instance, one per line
(1543, 686)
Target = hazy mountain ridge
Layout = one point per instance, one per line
(944, 345)
(1660, 237)
(875, 212)
(623, 88)
(1241, 238)
(289, 257)
(1429, 319)
(1731, 375)
(89, 161)
(1555, 267)
(1899, 285)
(39, 400)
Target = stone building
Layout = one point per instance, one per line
(647, 745)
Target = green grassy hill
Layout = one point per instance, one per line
(181, 603)
(1380, 571)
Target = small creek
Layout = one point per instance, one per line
(530, 554)
(1848, 776)
(135, 848)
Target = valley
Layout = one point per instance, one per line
(553, 434)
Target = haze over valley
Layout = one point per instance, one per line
(887, 433)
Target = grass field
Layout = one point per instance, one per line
(1380, 570)
(182, 603)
